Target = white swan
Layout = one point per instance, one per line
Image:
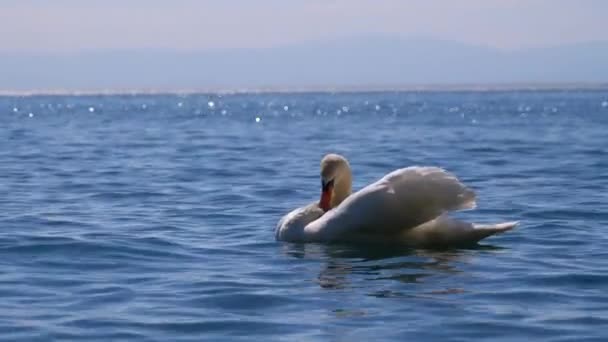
(407, 206)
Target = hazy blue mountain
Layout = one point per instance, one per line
(354, 62)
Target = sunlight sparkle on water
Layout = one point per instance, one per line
(91, 109)
(258, 119)
(31, 115)
(605, 104)
(15, 109)
(211, 104)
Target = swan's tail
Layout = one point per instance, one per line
(446, 231)
(482, 231)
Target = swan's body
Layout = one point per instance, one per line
(407, 206)
(292, 226)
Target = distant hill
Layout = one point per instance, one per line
(345, 63)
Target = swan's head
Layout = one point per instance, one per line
(336, 181)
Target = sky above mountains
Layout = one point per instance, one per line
(64, 26)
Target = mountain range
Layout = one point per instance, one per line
(361, 62)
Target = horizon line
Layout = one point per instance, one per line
(476, 87)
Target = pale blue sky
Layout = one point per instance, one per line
(73, 25)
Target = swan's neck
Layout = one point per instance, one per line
(342, 189)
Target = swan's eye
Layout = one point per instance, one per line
(327, 185)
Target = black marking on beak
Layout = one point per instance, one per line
(326, 186)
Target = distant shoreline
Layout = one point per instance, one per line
(313, 89)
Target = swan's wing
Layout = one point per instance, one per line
(403, 199)
(422, 194)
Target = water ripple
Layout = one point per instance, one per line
(150, 217)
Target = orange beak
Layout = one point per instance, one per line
(327, 189)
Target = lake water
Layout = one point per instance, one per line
(152, 217)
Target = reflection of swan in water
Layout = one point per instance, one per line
(407, 206)
(342, 263)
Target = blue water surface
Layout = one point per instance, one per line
(151, 217)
